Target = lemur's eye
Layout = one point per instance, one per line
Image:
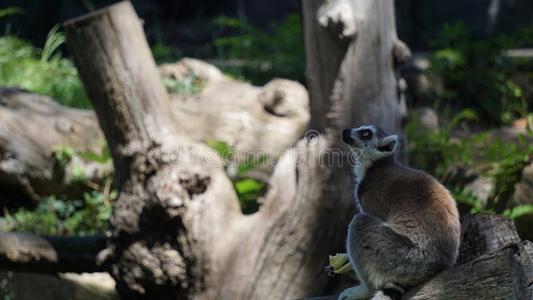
(365, 134)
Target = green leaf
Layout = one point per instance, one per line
(53, 41)
(223, 149)
(248, 185)
(4, 12)
(62, 154)
(519, 211)
(251, 164)
(102, 157)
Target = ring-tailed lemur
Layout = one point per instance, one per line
(407, 228)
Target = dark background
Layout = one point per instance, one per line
(188, 26)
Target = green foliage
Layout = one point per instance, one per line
(78, 173)
(260, 55)
(53, 216)
(438, 152)
(42, 71)
(222, 148)
(4, 12)
(468, 199)
(165, 54)
(519, 211)
(102, 157)
(248, 190)
(435, 150)
(62, 154)
(52, 43)
(476, 74)
(190, 85)
(508, 162)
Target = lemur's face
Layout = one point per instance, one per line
(370, 142)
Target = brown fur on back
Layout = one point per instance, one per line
(415, 205)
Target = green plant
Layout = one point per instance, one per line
(438, 152)
(248, 189)
(4, 12)
(435, 150)
(41, 71)
(165, 54)
(508, 161)
(190, 85)
(259, 55)
(63, 154)
(475, 74)
(519, 211)
(468, 199)
(53, 216)
(102, 157)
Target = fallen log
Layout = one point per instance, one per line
(27, 286)
(32, 128)
(254, 121)
(28, 252)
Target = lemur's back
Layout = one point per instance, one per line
(415, 205)
(408, 227)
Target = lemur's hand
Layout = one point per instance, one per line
(355, 293)
(338, 264)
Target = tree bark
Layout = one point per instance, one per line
(493, 264)
(175, 203)
(176, 228)
(350, 51)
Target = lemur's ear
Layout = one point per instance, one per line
(388, 143)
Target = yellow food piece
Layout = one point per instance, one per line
(339, 263)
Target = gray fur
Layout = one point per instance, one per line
(407, 229)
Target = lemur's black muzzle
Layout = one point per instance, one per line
(347, 136)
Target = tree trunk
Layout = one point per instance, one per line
(351, 46)
(351, 51)
(175, 208)
(177, 230)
